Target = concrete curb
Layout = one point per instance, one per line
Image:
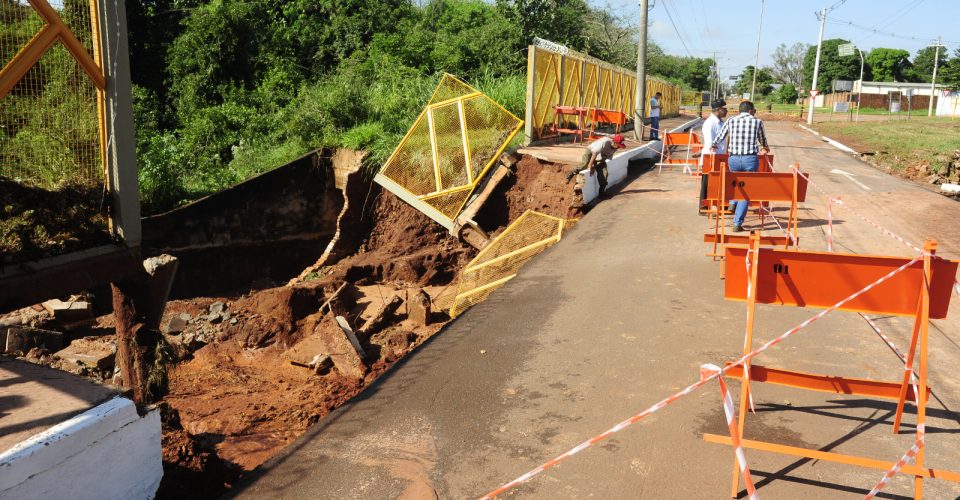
(108, 451)
(838, 145)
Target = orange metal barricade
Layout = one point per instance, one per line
(795, 278)
(758, 187)
(690, 140)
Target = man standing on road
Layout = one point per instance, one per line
(595, 158)
(746, 139)
(711, 129)
(655, 116)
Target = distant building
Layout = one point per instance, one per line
(881, 94)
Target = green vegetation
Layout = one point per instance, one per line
(901, 144)
(226, 89)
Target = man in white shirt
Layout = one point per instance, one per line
(655, 116)
(711, 128)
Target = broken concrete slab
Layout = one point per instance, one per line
(354, 341)
(309, 352)
(334, 341)
(88, 352)
(217, 308)
(382, 316)
(20, 339)
(418, 309)
(68, 311)
(176, 325)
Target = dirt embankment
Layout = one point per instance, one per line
(235, 398)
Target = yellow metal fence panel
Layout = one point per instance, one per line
(50, 93)
(532, 233)
(450, 148)
(563, 77)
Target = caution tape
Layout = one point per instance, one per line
(904, 241)
(729, 411)
(893, 347)
(907, 457)
(690, 388)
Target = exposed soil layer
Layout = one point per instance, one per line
(536, 185)
(236, 398)
(37, 223)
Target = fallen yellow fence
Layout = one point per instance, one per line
(532, 233)
(448, 150)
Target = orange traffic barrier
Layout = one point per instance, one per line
(714, 162)
(690, 140)
(760, 187)
(919, 288)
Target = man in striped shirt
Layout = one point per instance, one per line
(745, 138)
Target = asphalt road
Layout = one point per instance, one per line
(619, 314)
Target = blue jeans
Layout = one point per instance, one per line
(654, 128)
(742, 163)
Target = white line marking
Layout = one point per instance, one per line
(852, 178)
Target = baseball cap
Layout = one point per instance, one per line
(618, 141)
(717, 104)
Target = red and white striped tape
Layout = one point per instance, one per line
(730, 412)
(905, 459)
(786, 233)
(690, 388)
(893, 347)
(838, 201)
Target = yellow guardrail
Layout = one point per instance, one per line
(448, 150)
(558, 76)
(51, 92)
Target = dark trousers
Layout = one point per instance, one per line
(654, 128)
(703, 191)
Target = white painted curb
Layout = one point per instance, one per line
(617, 166)
(106, 452)
(830, 141)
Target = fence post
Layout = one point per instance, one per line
(121, 154)
(531, 77)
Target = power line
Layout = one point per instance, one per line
(842, 22)
(666, 9)
(892, 18)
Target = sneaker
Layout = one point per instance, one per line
(738, 228)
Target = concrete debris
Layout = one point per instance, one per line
(185, 316)
(418, 309)
(354, 341)
(176, 325)
(68, 311)
(343, 352)
(20, 339)
(217, 308)
(88, 352)
(311, 353)
(382, 316)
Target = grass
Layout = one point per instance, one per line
(901, 144)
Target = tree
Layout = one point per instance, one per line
(559, 21)
(786, 94)
(922, 70)
(788, 63)
(949, 72)
(745, 82)
(888, 65)
(832, 66)
(611, 38)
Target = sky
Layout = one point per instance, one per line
(730, 27)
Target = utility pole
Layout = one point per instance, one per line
(816, 66)
(933, 83)
(716, 77)
(756, 62)
(640, 106)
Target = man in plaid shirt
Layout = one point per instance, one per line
(746, 139)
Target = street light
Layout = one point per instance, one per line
(847, 50)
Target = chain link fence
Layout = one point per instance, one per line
(51, 129)
(558, 76)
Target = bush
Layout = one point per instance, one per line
(786, 94)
